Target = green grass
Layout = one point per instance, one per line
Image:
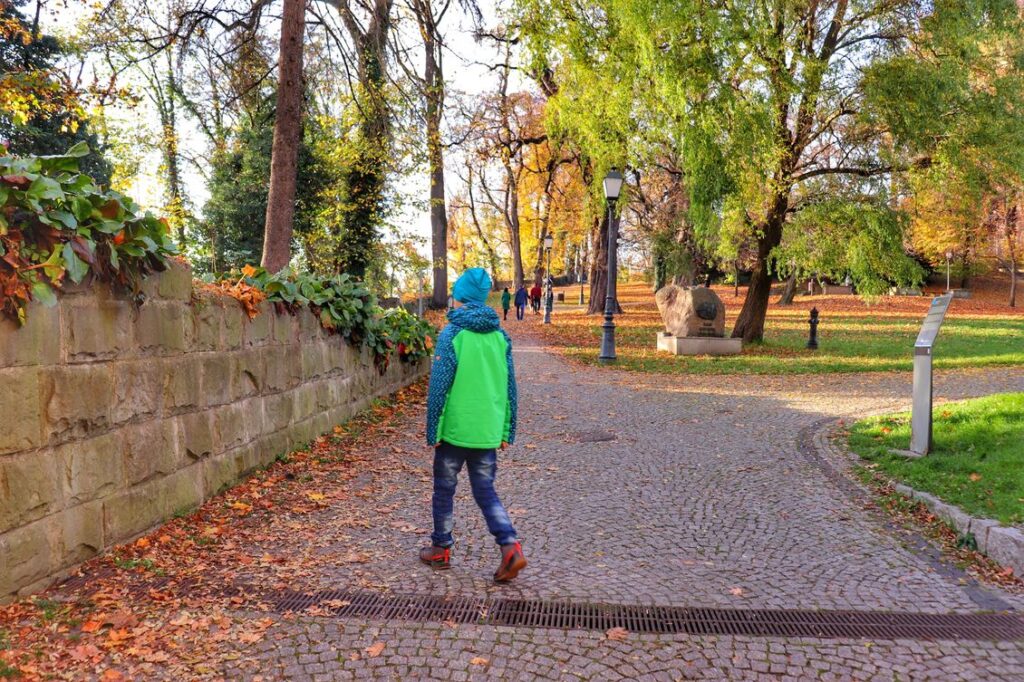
(977, 462)
(847, 343)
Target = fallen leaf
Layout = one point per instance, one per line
(111, 675)
(91, 626)
(975, 477)
(478, 660)
(375, 649)
(316, 497)
(142, 543)
(617, 634)
(736, 591)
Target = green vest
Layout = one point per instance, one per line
(477, 413)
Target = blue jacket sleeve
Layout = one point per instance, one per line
(442, 376)
(513, 391)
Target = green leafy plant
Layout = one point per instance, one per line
(57, 225)
(345, 307)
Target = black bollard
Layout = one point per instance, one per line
(812, 342)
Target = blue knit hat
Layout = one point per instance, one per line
(472, 287)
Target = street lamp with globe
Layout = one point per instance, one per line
(549, 295)
(612, 187)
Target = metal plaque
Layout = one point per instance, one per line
(933, 321)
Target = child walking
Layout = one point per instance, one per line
(471, 412)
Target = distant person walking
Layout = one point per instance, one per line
(535, 294)
(506, 298)
(521, 298)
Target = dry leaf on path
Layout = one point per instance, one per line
(736, 591)
(617, 634)
(375, 649)
(479, 660)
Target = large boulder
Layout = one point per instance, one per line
(691, 311)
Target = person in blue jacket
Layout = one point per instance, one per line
(522, 297)
(471, 413)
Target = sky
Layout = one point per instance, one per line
(465, 70)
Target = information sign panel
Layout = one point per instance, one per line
(921, 414)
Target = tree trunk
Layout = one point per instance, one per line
(789, 291)
(599, 268)
(287, 137)
(512, 220)
(750, 323)
(434, 83)
(1013, 284)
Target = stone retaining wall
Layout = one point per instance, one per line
(114, 416)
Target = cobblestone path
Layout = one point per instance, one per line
(627, 489)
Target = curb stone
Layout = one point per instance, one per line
(1002, 544)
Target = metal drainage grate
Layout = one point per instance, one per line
(655, 619)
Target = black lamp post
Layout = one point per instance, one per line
(949, 259)
(549, 295)
(612, 187)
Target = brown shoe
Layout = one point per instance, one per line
(512, 561)
(438, 558)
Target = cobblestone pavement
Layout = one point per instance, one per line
(629, 489)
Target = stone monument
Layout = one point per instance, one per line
(694, 320)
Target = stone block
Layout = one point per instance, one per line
(22, 417)
(691, 311)
(1005, 545)
(233, 329)
(232, 424)
(175, 283)
(310, 328)
(286, 328)
(980, 529)
(259, 330)
(97, 330)
(304, 403)
(696, 345)
(220, 472)
(164, 327)
(952, 515)
(247, 374)
(77, 400)
(138, 390)
(82, 532)
(277, 411)
(130, 512)
(208, 319)
(35, 343)
(217, 374)
(29, 487)
(151, 450)
(91, 469)
(183, 490)
(183, 388)
(29, 553)
(196, 433)
(281, 369)
(314, 359)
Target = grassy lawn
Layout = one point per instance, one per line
(977, 462)
(853, 336)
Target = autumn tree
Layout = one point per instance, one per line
(764, 99)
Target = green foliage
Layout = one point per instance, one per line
(55, 223)
(346, 307)
(236, 210)
(835, 238)
(39, 114)
(976, 462)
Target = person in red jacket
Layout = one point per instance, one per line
(535, 294)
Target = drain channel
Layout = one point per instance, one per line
(654, 619)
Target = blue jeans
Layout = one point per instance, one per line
(483, 467)
(520, 309)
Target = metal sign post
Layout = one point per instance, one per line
(921, 414)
